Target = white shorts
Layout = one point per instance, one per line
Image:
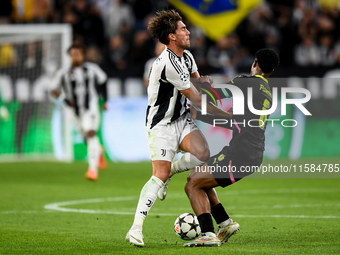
(164, 141)
(87, 121)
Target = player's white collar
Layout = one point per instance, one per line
(171, 51)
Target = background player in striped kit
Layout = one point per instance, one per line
(81, 85)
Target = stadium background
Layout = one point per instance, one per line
(304, 33)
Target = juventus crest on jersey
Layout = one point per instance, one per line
(169, 74)
(80, 85)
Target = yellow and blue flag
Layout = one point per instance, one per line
(216, 18)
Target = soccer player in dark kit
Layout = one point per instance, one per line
(245, 150)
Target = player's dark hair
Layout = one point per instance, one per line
(267, 59)
(163, 24)
(77, 45)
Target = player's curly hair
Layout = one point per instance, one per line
(163, 24)
(267, 59)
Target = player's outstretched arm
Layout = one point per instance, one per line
(195, 75)
(55, 87)
(214, 110)
(101, 80)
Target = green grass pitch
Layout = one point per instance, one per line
(277, 216)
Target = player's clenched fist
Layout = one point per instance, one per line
(206, 78)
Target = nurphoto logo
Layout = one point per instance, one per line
(238, 105)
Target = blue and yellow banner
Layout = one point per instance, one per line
(216, 18)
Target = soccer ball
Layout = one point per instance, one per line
(187, 226)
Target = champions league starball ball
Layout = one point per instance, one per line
(187, 226)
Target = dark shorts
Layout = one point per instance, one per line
(227, 169)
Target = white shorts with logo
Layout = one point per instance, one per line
(87, 121)
(164, 141)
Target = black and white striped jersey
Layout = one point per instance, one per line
(81, 85)
(169, 74)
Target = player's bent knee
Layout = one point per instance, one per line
(192, 184)
(161, 170)
(203, 155)
(187, 187)
(162, 176)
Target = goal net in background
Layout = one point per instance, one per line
(32, 126)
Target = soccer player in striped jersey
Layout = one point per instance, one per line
(82, 84)
(169, 126)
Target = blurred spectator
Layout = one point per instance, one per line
(5, 11)
(307, 52)
(41, 11)
(90, 25)
(103, 6)
(272, 40)
(94, 55)
(327, 53)
(22, 11)
(69, 16)
(30, 60)
(262, 19)
(25, 11)
(117, 52)
(298, 11)
(140, 50)
(8, 56)
(217, 54)
(158, 50)
(259, 24)
(225, 54)
(198, 45)
(325, 23)
(308, 25)
(121, 18)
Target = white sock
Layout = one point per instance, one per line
(225, 223)
(93, 152)
(148, 196)
(185, 163)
